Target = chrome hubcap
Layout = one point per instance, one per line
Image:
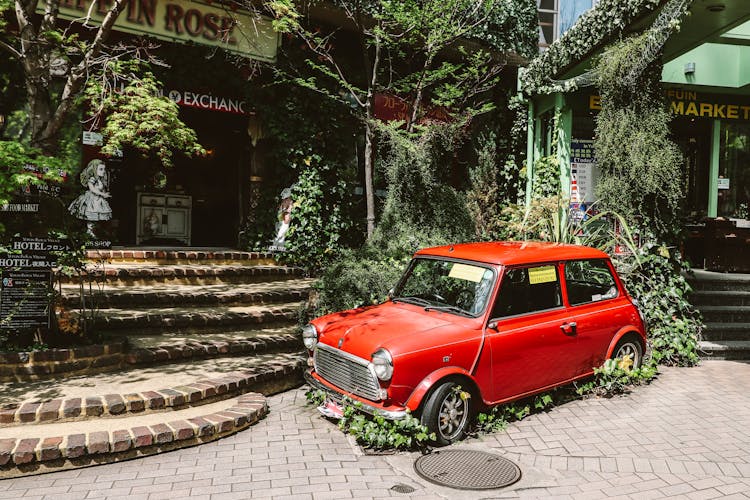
(628, 350)
(452, 416)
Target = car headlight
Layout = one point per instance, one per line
(309, 336)
(382, 363)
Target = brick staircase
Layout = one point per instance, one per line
(724, 301)
(207, 334)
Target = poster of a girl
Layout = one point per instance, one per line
(92, 205)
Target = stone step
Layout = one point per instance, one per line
(55, 447)
(727, 331)
(145, 339)
(726, 314)
(135, 274)
(720, 298)
(174, 294)
(166, 318)
(726, 349)
(78, 421)
(701, 280)
(180, 256)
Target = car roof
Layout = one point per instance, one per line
(511, 253)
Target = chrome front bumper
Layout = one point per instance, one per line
(339, 398)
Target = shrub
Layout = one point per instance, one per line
(654, 277)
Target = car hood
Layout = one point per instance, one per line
(400, 328)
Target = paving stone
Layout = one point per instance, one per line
(115, 404)
(98, 443)
(204, 428)
(162, 434)
(172, 397)
(134, 402)
(121, 441)
(25, 451)
(71, 408)
(182, 430)
(222, 424)
(50, 410)
(142, 436)
(27, 412)
(7, 415)
(75, 446)
(50, 448)
(6, 449)
(93, 406)
(154, 400)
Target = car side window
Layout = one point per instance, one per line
(589, 281)
(526, 290)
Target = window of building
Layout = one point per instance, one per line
(734, 171)
(557, 16)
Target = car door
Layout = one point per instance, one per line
(597, 307)
(531, 344)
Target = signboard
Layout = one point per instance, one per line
(208, 102)
(582, 171)
(25, 299)
(723, 183)
(33, 253)
(390, 108)
(184, 21)
(20, 207)
(695, 104)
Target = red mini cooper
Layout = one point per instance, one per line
(502, 321)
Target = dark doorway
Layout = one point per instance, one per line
(214, 180)
(694, 139)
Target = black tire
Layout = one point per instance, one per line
(629, 345)
(447, 414)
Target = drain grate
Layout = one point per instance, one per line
(467, 469)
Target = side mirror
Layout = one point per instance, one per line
(492, 325)
(391, 292)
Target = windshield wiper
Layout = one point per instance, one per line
(413, 300)
(452, 309)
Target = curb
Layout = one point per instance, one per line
(111, 405)
(34, 456)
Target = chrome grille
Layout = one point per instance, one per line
(347, 372)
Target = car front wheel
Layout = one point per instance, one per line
(447, 413)
(629, 347)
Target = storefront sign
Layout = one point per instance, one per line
(693, 104)
(723, 183)
(51, 183)
(25, 299)
(39, 245)
(208, 102)
(20, 207)
(184, 21)
(391, 108)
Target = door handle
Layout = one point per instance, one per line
(569, 328)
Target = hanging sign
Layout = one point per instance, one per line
(184, 21)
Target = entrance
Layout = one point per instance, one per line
(214, 181)
(693, 136)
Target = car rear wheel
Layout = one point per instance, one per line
(447, 413)
(629, 347)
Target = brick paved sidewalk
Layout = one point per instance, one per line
(685, 436)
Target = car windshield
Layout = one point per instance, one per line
(445, 285)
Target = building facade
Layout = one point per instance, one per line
(706, 81)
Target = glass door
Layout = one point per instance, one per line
(734, 171)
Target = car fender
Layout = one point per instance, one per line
(625, 330)
(419, 392)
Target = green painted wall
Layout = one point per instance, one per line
(716, 65)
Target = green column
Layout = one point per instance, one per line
(531, 148)
(713, 171)
(564, 131)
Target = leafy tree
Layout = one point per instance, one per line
(416, 50)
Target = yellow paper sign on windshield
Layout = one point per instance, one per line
(545, 274)
(467, 272)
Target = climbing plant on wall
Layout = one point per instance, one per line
(641, 168)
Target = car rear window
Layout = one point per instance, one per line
(589, 281)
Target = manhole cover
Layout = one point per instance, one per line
(467, 469)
